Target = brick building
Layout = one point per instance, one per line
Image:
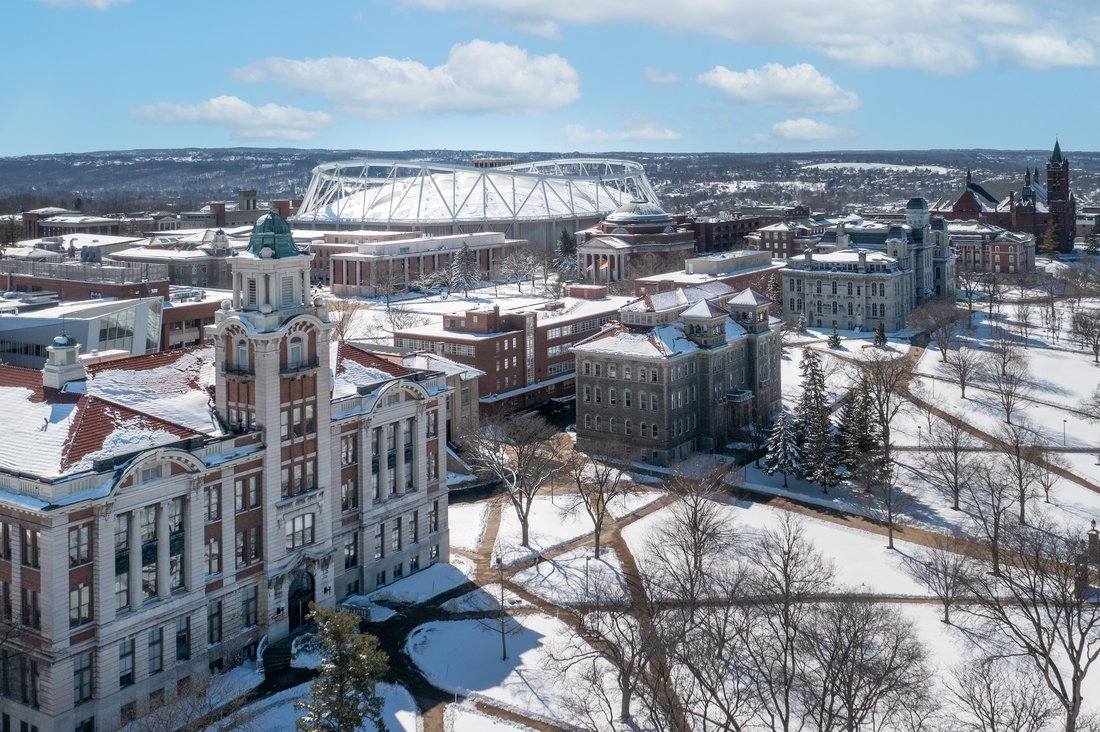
(161, 518)
(737, 269)
(524, 353)
(981, 247)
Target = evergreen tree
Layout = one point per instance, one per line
(343, 694)
(834, 339)
(775, 294)
(813, 404)
(856, 433)
(565, 256)
(783, 454)
(1049, 243)
(465, 272)
(880, 335)
(814, 426)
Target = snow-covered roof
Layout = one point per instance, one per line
(354, 367)
(176, 385)
(749, 297)
(662, 341)
(49, 433)
(426, 361)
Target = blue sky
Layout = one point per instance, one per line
(549, 75)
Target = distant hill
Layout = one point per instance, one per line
(134, 179)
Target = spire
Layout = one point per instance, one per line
(1027, 176)
(968, 178)
(1056, 156)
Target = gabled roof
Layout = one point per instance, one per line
(704, 309)
(353, 367)
(749, 297)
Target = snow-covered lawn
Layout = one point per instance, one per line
(277, 713)
(464, 718)
(576, 577)
(484, 599)
(626, 504)
(466, 523)
(463, 657)
(861, 561)
(421, 586)
(554, 521)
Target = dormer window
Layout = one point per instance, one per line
(152, 472)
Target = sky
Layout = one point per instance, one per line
(549, 75)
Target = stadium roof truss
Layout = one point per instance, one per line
(384, 192)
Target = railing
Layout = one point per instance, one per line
(260, 648)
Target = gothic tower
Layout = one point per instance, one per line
(1060, 201)
(272, 360)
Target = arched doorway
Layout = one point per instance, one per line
(298, 598)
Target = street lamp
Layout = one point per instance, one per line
(503, 642)
(1063, 433)
(919, 428)
(586, 561)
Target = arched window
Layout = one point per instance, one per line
(643, 430)
(598, 423)
(242, 355)
(588, 421)
(626, 426)
(610, 424)
(295, 352)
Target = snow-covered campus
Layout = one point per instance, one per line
(502, 465)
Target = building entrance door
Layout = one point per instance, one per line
(300, 595)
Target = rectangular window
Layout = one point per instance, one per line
(380, 541)
(29, 547)
(250, 606)
(396, 535)
(214, 623)
(5, 540)
(122, 585)
(80, 545)
(126, 662)
(80, 605)
(213, 557)
(183, 639)
(82, 678)
(348, 450)
(31, 609)
(156, 651)
(351, 551)
(299, 531)
(433, 517)
(415, 524)
(349, 494)
(212, 503)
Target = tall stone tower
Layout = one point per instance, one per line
(1060, 201)
(272, 360)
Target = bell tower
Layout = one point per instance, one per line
(272, 359)
(1060, 202)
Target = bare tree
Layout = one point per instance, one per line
(1022, 309)
(1086, 330)
(993, 286)
(1049, 464)
(346, 314)
(519, 451)
(787, 571)
(941, 320)
(997, 695)
(885, 375)
(1007, 371)
(890, 501)
(942, 570)
(990, 494)
(969, 279)
(402, 317)
(598, 483)
(204, 702)
(1021, 458)
(950, 457)
(965, 364)
(1039, 607)
(864, 662)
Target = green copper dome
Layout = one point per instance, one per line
(272, 232)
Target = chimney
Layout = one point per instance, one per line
(62, 363)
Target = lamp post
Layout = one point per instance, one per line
(503, 642)
(586, 561)
(919, 428)
(1063, 433)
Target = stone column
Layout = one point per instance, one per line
(383, 467)
(163, 547)
(399, 444)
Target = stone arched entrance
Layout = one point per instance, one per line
(301, 593)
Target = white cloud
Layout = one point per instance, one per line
(1041, 51)
(538, 27)
(942, 36)
(800, 87)
(243, 119)
(95, 4)
(478, 77)
(637, 131)
(659, 76)
(800, 130)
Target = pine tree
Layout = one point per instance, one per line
(856, 435)
(343, 694)
(814, 425)
(1049, 243)
(465, 272)
(812, 404)
(783, 454)
(565, 256)
(834, 339)
(880, 335)
(775, 294)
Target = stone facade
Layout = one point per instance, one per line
(320, 473)
(681, 372)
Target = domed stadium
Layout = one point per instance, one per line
(532, 201)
